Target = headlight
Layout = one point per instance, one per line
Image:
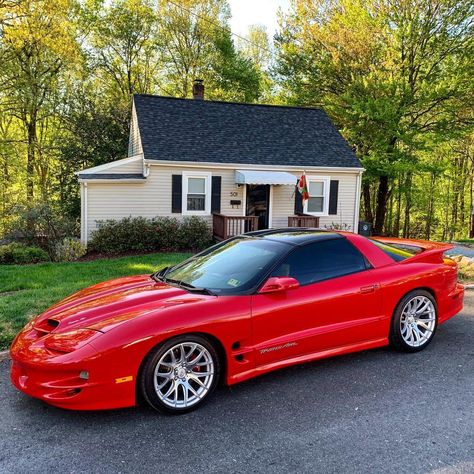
(70, 341)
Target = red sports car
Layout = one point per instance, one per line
(244, 307)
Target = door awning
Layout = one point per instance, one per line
(264, 177)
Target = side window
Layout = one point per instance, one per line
(321, 261)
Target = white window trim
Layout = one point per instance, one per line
(184, 200)
(327, 182)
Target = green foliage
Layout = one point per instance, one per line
(136, 234)
(69, 250)
(396, 77)
(15, 254)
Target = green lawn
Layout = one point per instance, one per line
(27, 290)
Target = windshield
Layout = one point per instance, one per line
(232, 267)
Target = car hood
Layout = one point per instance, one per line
(104, 306)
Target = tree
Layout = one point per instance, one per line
(38, 45)
(257, 48)
(123, 45)
(195, 41)
(392, 74)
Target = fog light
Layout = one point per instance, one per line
(84, 375)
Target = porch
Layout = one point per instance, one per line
(224, 226)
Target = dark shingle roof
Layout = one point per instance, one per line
(224, 132)
(112, 176)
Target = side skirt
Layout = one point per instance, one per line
(360, 346)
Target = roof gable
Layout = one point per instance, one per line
(187, 130)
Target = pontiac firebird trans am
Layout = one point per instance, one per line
(244, 307)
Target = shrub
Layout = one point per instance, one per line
(69, 250)
(43, 226)
(16, 253)
(158, 234)
(195, 234)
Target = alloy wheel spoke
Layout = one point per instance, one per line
(192, 377)
(191, 389)
(422, 324)
(423, 309)
(182, 353)
(170, 390)
(162, 384)
(193, 348)
(165, 375)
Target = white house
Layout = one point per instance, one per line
(234, 164)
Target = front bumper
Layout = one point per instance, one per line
(56, 378)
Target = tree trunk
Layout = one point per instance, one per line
(429, 214)
(390, 215)
(30, 164)
(381, 210)
(406, 220)
(396, 227)
(369, 217)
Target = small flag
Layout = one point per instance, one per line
(303, 187)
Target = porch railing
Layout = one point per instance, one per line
(228, 226)
(303, 221)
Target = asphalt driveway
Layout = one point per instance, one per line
(376, 411)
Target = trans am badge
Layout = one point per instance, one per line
(277, 348)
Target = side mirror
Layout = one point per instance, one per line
(276, 284)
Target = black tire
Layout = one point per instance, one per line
(396, 338)
(146, 382)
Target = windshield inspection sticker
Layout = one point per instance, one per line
(233, 282)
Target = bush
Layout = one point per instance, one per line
(159, 234)
(69, 250)
(43, 226)
(16, 253)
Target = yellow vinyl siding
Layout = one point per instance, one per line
(152, 197)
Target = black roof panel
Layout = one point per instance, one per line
(225, 132)
(294, 235)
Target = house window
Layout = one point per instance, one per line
(318, 202)
(196, 193)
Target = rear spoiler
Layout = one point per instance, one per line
(431, 251)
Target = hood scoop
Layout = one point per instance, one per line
(46, 326)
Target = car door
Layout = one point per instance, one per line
(338, 303)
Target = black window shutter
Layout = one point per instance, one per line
(298, 202)
(216, 194)
(333, 196)
(176, 193)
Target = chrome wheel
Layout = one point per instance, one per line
(418, 321)
(184, 374)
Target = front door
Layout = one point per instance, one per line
(337, 305)
(257, 203)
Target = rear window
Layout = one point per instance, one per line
(398, 252)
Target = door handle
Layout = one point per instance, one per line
(369, 288)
